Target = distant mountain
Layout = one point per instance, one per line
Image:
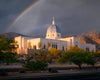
(92, 37)
(11, 35)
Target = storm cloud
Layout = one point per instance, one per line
(72, 16)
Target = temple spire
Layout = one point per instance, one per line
(53, 22)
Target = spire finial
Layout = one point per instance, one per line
(53, 22)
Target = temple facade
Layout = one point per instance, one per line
(53, 37)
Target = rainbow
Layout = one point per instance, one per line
(22, 13)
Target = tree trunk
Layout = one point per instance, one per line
(80, 67)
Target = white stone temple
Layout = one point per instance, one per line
(53, 36)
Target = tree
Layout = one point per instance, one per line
(43, 56)
(9, 57)
(54, 52)
(96, 56)
(48, 45)
(75, 49)
(76, 56)
(7, 45)
(39, 45)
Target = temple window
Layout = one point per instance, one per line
(70, 41)
(56, 46)
(87, 49)
(58, 35)
(44, 46)
(76, 44)
(63, 48)
(34, 47)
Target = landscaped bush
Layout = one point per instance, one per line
(36, 65)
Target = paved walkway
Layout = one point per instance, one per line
(4, 66)
(47, 74)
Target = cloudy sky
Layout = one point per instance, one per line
(72, 16)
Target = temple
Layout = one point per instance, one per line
(53, 37)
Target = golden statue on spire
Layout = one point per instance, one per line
(53, 22)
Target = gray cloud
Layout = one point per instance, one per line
(72, 16)
(9, 10)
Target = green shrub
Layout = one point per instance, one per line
(36, 65)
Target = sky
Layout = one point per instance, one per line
(71, 16)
